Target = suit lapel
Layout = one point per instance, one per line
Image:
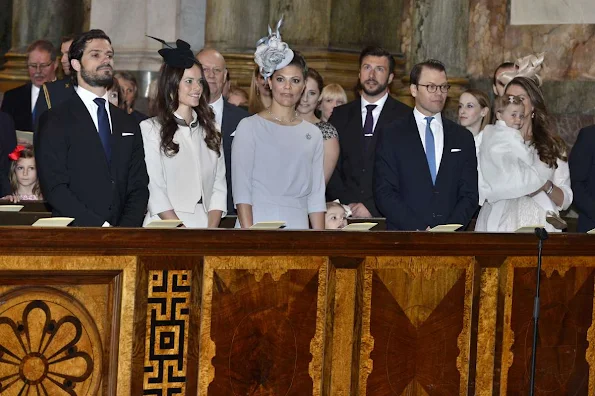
(87, 127)
(383, 119)
(446, 154)
(354, 126)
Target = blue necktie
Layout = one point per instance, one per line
(103, 127)
(369, 125)
(431, 149)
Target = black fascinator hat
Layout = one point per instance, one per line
(181, 56)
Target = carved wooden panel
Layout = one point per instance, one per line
(49, 345)
(417, 332)
(262, 326)
(166, 344)
(566, 343)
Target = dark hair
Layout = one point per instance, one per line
(503, 65)
(68, 37)
(314, 75)
(27, 152)
(549, 145)
(78, 47)
(299, 61)
(418, 68)
(42, 45)
(124, 75)
(378, 51)
(168, 102)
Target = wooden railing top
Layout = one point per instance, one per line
(234, 242)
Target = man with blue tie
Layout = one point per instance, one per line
(90, 157)
(425, 170)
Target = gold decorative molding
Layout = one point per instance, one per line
(590, 352)
(508, 334)
(464, 337)
(486, 338)
(422, 266)
(317, 343)
(367, 342)
(206, 371)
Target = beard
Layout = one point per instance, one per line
(381, 87)
(98, 78)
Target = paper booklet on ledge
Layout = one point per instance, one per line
(11, 208)
(529, 228)
(445, 228)
(591, 231)
(268, 225)
(53, 222)
(164, 224)
(359, 226)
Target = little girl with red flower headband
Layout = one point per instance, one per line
(23, 175)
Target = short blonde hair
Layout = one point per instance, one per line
(333, 91)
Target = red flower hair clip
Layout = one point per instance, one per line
(16, 153)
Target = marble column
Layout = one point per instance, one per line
(440, 31)
(33, 20)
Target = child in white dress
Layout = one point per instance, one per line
(508, 177)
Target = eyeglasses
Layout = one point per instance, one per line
(41, 66)
(432, 88)
(215, 70)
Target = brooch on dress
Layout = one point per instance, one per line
(308, 136)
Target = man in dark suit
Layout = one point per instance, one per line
(8, 141)
(227, 115)
(20, 102)
(90, 157)
(356, 122)
(582, 176)
(55, 92)
(425, 171)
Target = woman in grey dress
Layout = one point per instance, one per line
(307, 105)
(277, 157)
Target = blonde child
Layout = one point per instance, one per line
(23, 175)
(331, 96)
(507, 177)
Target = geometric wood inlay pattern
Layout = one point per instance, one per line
(566, 313)
(417, 335)
(49, 345)
(166, 346)
(263, 329)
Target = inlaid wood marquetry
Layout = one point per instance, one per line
(49, 345)
(264, 317)
(166, 345)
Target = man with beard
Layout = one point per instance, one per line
(90, 157)
(425, 170)
(356, 122)
(56, 92)
(227, 116)
(20, 102)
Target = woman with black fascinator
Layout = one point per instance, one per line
(183, 148)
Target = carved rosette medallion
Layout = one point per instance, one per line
(49, 344)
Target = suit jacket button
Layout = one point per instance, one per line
(364, 170)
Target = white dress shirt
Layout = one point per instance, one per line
(217, 107)
(437, 129)
(34, 96)
(376, 112)
(87, 97)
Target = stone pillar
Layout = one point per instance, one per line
(33, 20)
(440, 31)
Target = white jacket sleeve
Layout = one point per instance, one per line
(158, 199)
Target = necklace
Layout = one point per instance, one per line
(282, 121)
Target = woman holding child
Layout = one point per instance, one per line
(515, 203)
